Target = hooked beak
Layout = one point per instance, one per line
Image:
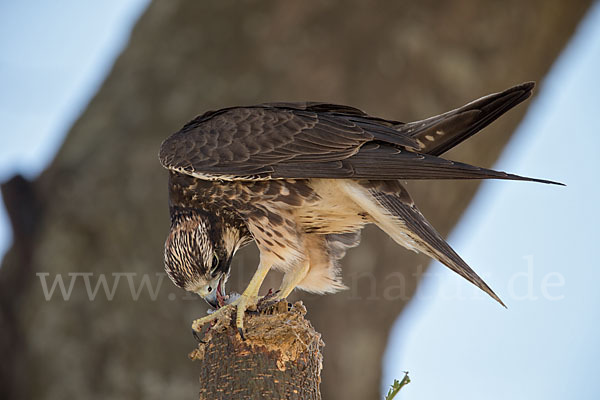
(216, 296)
(211, 299)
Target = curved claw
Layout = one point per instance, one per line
(243, 303)
(247, 300)
(197, 337)
(200, 322)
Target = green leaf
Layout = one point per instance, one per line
(397, 385)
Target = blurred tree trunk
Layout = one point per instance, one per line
(102, 205)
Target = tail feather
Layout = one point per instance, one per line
(438, 134)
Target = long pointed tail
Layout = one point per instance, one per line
(439, 134)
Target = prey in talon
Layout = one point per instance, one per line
(301, 180)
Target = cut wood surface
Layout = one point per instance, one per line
(101, 207)
(280, 357)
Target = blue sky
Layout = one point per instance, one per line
(55, 55)
(534, 246)
(531, 242)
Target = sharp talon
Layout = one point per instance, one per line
(195, 334)
(211, 319)
(241, 332)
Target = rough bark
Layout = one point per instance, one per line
(101, 206)
(280, 357)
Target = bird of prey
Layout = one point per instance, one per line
(301, 180)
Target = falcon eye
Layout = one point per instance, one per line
(215, 262)
(209, 289)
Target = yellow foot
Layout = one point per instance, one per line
(243, 303)
(219, 314)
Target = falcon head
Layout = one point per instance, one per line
(198, 256)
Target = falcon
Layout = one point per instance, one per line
(301, 180)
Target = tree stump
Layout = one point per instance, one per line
(280, 357)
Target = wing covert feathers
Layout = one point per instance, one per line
(320, 140)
